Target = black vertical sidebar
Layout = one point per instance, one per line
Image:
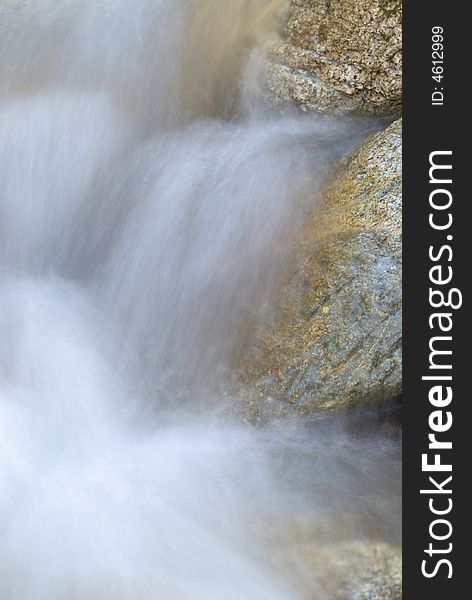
(435, 123)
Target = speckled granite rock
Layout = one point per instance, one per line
(335, 340)
(339, 56)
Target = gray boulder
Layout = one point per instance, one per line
(335, 338)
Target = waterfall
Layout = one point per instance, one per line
(147, 197)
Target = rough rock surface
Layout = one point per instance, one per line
(339, 56)
(335, 339)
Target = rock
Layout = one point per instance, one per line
(339, 56)
(325, 562)
(355, 570)
(335, 339)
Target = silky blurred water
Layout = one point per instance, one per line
(146, 200)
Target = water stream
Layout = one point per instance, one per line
(145, 190)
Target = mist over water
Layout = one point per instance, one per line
(147, 198)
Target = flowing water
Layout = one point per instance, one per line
(146, 194)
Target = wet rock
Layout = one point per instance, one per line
(335, 339)
(356, 571)
(339, 56)
(326, 562)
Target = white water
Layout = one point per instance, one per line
(144, 196)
